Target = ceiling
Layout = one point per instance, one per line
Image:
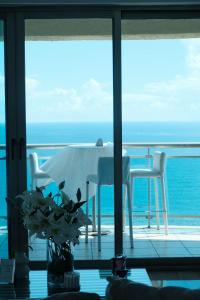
(97, 29)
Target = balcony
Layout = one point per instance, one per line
(183, 192)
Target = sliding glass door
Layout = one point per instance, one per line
(3, 207)
(69, 115)
(160, 105)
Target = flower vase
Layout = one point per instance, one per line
(60, 260)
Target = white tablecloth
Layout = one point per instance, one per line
(73, 164)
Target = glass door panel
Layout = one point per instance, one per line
(3, 207)
(69, 112)
(161, 113)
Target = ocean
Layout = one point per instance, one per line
(182, 174)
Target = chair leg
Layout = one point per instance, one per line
(157, 203)
(34, 183)
(132, 192)
(87, 211)
(149, 202)
(99, 218)
(94, 228)
(130, 214)
(124, 207)
(164, 204)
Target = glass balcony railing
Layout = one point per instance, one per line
(182, 181)
(183, 193)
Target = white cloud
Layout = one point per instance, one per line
(193, 53)
(91, 102)
(177, 99)
(178, 84)
(31, 84)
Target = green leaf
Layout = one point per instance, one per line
(33, 212)
(78, 195)
(61, 185)
(57, 217)
(77, 205)
(69, 206)
(39, 190)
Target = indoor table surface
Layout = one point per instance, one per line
(90, 281)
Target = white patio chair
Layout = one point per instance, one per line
(156, 172)
(36, 173)
(105, 176)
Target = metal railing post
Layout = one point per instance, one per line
(149, 190)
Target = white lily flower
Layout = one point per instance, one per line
(52, 217)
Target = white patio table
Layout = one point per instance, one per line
(73, 164)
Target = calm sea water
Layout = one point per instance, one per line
(182, 175)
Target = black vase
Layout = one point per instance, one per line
(60, 260)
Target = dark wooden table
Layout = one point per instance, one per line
(90, 281)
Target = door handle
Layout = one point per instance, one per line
(12, 148)
(21, 147)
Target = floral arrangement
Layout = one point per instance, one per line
(56, 218)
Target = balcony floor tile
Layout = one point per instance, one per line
(181, 241)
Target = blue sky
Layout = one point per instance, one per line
(72, 80)
(149, 61)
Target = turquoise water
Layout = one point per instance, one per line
(182, 175)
